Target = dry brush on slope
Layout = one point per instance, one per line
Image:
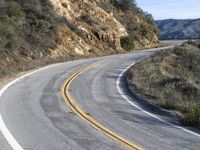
(171, 80)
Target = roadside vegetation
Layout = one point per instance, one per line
(172, 79)
(9, 30)
(27, 32)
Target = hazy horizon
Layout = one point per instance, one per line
(171, 9)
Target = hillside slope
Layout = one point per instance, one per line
(37, 32)
(170, 79)
(179, 29)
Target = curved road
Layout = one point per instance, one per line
(38, 118)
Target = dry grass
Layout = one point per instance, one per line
(172, 78)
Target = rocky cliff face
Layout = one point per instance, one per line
(45, 31)
(93, 30)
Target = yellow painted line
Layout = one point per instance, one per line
(88, 119)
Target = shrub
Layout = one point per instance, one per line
(179, 51)
(144, 31)
(73, 27)
(9, 33)
(13, 9)
(127, 43)
(87, 19)
(193, 117)
(126, 4)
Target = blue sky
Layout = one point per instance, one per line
(176, 9)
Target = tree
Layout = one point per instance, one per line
(127, 4)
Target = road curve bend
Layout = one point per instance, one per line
(37, 117)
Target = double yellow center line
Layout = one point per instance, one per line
(84, 116)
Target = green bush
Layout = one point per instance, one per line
(127, 43)
(193, 117)
(127, 4)
(9, 33)
(180, 51)
(144, 30)
(13, 9)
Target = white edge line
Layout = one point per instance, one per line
(5, 131)
(141, 109)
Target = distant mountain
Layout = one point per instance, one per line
(179, 29)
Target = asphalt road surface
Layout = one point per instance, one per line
(36, 115)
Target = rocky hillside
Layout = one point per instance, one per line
(38, 32)
(179, 29)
